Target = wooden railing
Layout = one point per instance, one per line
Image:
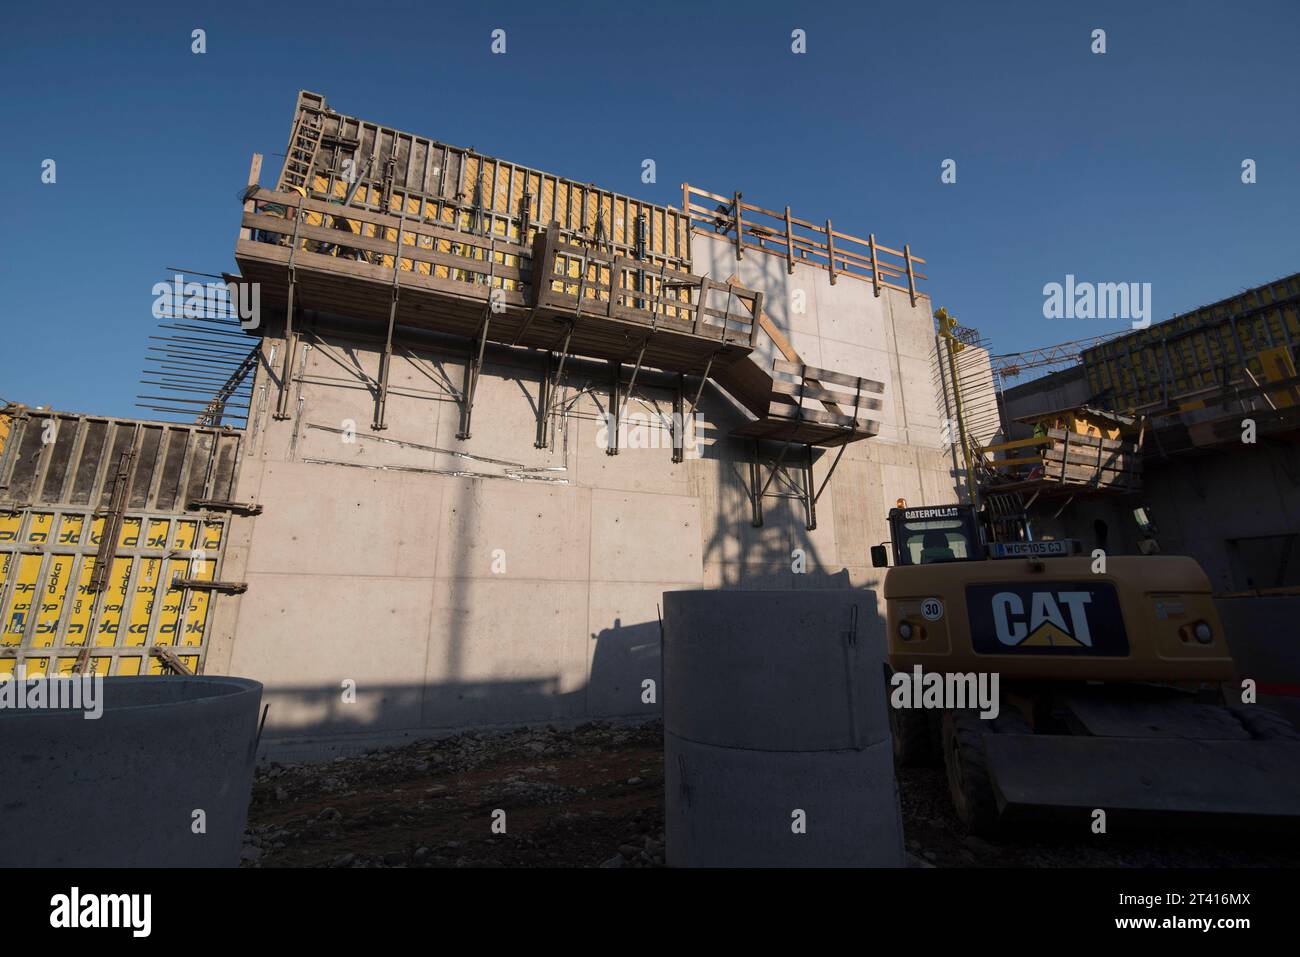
(577, 279)
(348, 233)
(800, 241)
(841, 398)
(571, 279)
(1068, 458)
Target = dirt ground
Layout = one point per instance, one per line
(593, 796)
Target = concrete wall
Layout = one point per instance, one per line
(487, 581)
(1057, 390)
(1233, 512)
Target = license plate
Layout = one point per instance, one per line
(1031, 549)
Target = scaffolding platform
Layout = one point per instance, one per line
(352, 263)
(800, 403)
(409, 233)
(1075, 450)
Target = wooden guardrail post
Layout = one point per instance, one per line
(254, 175)
(789, 243)
(911, 279)
(740, 227)
(875, 268)
(830, 251)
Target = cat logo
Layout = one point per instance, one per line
(1060, 618)
(1045, 625)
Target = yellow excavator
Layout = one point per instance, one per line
(1114, 687)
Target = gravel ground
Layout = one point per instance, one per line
(592, 796)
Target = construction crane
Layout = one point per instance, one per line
(1012, 364)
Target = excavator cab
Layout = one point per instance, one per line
(932, 534)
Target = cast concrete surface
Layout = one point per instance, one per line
(1261, 633)
(774, 716)
(406, 581)
(122, 790)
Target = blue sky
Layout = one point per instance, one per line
(1117, 167)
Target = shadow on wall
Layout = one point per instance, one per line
(322, 720)
(625, 682)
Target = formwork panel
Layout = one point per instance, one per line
(489, 195)
(1213, 345)
(49, 612)
(57, 474)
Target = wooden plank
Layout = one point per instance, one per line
(1010, 463)
(1115, 461)
(810, 391)
(1093, 440)
(826, 375)
(1016, 444)
(806, 432)
(385, 247)
(812, 415)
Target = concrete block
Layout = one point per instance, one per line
(901, 481)
(714, 481)
(120, 790)
(774, 718)
(738, 807)
(503, 426)
(775, 670)
(849, 311)
(644, 462)
(856, 512)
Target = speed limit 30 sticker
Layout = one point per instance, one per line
(932, 609)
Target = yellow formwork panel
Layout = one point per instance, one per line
(83, 604)
(49, 612)
(22, 594)
(39, 528)
(54, 590)
(142, 600)
(70, 529)
(113, 602)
